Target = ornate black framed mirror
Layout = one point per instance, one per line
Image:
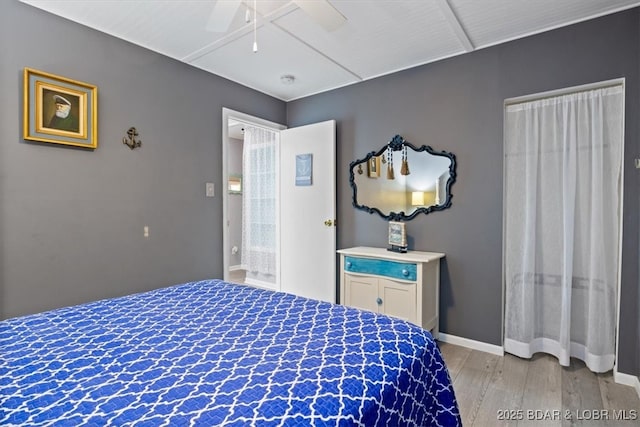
(400, 181)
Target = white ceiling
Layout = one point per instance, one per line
(378, 38)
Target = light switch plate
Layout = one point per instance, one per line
(210, 189)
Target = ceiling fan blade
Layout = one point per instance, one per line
(323, 13)
(222, 15)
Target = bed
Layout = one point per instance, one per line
(214, 353)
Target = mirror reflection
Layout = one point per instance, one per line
(399, 181)
(235, 184)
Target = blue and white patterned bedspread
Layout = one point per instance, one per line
(213, 353)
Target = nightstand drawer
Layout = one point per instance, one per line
(381, 267)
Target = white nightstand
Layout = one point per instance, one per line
(404, 285)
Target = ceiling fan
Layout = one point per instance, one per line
(321, 11)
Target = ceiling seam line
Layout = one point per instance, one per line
(455, 24)
(318, 51)
(239, 33)
(204, 51)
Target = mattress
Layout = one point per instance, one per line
(213, 353)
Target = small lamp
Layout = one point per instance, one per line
(417, 198)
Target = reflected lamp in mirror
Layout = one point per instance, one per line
(235, 184)
(417, 198)
(414, 180)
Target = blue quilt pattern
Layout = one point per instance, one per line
(212, 353)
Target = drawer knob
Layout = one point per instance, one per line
(379, 301)
(405, 272)
(348, 264)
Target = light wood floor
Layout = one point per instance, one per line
(536, 392)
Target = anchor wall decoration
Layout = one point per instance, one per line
(131, 140)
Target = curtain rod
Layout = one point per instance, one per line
(566, 91)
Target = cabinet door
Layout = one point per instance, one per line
(361, 292)
(398, 299)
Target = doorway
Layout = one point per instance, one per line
(305, 208)
(236, 183)
(562, 226)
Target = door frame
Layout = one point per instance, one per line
(228, 114)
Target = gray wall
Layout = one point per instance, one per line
(457, 105)
(71, 220)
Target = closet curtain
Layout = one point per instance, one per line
(563, 161)
(259, 196)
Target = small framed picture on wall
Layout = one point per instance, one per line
(373, 167)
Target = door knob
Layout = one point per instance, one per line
(379, 301)
(330, 222)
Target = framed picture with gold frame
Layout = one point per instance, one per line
(60, 110)
(373, 167)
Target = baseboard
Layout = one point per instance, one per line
(472, 344)
(627, 379)
(236, 267)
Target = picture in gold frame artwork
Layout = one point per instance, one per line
(373, 167)
(59, 110)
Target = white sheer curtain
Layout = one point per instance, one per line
(563, 159)
(259, 201)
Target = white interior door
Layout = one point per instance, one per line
(307, 239)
